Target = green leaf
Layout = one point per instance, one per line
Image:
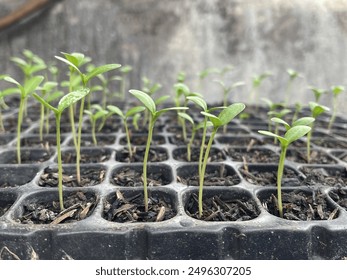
(283, 141)
(45, 103)
(100, 114)
(75, 58)
(145, 99)
(36, 68)
(181, 88)
(11, 80)
(101, 69)
(69, 63)
(337, 90)
(116, 110)
(202, 125)
(72, 98)
(19, 61)
(134, 111)
(48, 86)
(280, 121)
(8, 91)
(303, 121)
(171, 109)
(53, 96)
(214, 119)
(90, 113)
(198, 101)
(230, 112)
(32, 84)
(186, 117)
(296, 133)
(317, 109)
(161, 99)
(238, 84)
(126, 69)
(203, 74)
(96, 88)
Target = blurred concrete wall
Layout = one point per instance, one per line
(161, 38)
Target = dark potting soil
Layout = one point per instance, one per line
(269, 177)
(102, 140)
(122, 209)
(301, 206)
(129, 177)
(217, 209)
(141, 140)
(252, 155)
(334, 177)
(328, 143)
(339, 195)
(89, 177)
(216, 177)
(215, 155)
(316, 157)
(78, 206)
(92, 156)
(243, 141)
(27, 156)
(35, 142)
(178, 140)
(155, 155)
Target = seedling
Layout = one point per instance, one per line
(256, 83)
(25, 90)
(278, 114)
(195, 128)
(74, 61)
(224, 117)
(227, 89)
(318, 92)
(293, 133)
(131, 112)
(336, 91)
(272, 107)
(150, 88)
(298, 108)
(94, 116)
(149, 104)
(65, 102)
(135, 121)
(292, 76)
(316, 110)
(125, 70)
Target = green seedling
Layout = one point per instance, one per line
(195, 128)
(208, 71)
(25, 90)
(74, 61)
(316, 110)
(317, 92)
(226, 91)
(65, 102)
(278, 114)
(149, 104)
(256, 83)
(181, 77)
(49, 93)
(150, 88)
(292, 76)
(94, 117)
(293, 133)
(131, 112)
(125, 70)
(272, 107)
(336, 91)
(135, 121)
(298, 108)
(223, 118)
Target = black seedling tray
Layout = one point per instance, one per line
(182, 237)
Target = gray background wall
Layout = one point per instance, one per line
(159, 38)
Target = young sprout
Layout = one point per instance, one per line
(226, 91)
(150, 88)
(181, 77)
(3, 105)
(25, 90)
(148, 102)
(94, 116)
(318, 92)
(125, 70)
(316, 110)
(74, 61)
(65, 102)
(206, 72)
(292, 76)
(256, 83)
(195, 128)
(135, 121)
(131, 112)
(224, 117)
(293, 133)
(272, 107)
(298, 108)
(336, 91)
(279, 115)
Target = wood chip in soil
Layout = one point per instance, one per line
(89, 177)
(217, 209)
(122, 209)
(300, 206)
(78, 206)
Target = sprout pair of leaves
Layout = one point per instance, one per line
(65, 102)
(25, 90)
(294, 132)
(150, 105)
(94, 116)
(256, 83)
(31, 65)
(124, 116)
(213, 70)
(318, 92)
(336, 91)
(227, 89)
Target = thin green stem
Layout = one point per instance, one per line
(72, 123)
(79, 136)
(128, 138)
(203, 170)
(2, 128)
(333, 115)
(60, 166)
(308, 145)
(47, 120)
(42, 119)
(189, 145)
(202, 145)
(93, 133)
(279, 179)
(145, 160)
(19, 126)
